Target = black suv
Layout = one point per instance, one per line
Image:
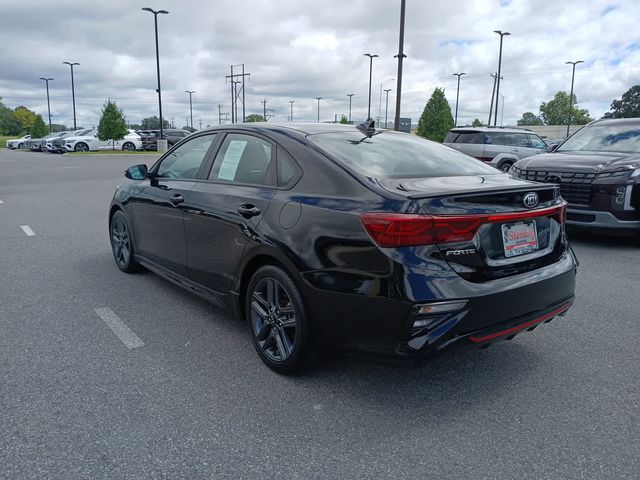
(598, 171)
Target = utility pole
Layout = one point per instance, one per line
(455, 122)
(219, 114)
(264, 109)
(573, 74)
(235, 94)
(350, 95)
(200, 123)
(291, 102)
(502, 35)
(493, 92)
(400, 56)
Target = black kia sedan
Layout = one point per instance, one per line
(369, 241)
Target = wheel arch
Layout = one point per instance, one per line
(260, 258)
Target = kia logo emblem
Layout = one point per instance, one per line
(530, 200)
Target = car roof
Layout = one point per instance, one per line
(490, 129)
(617, 121)
(302, 129)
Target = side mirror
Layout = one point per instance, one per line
(137, 172)
(553, 147)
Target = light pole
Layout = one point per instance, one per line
(502, 34)
(190, 92)
(155, 19)
(318, 98)
(455, 122)
(73, 93)
(371, 57)
(350, 95)
(47, 80)
(573, 74)
(502, 110)
(400, 56)
(386, 107)
(291, 102)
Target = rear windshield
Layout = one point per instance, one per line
(610, 137)
(398, 155)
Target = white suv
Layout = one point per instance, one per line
(17, 142)
(91, 142)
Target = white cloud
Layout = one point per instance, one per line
(300, 49)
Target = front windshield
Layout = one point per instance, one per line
(604, 137)
(398, 155)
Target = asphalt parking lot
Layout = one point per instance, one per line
(191, 399)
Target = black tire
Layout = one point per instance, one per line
(280, 328)
(81, 147)
(506, 166)
(130, 147)
(122, 243)
(19, 146)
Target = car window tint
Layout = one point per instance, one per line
(185, 161)
(287, 168)
(451, 137)
(469, 137)
(536, 142)
(520, 139)
(243, 159)
(398, 155)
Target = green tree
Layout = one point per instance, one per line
(112, 125)
(628, 106)
(344, 120)
(556, 111)
(153, 123)
(436, 119)
(254, 117)
(477, 123)
(39, 129)
(528, 118)
(25, 118)
(9, 124)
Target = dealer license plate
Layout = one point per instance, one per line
(519, 238)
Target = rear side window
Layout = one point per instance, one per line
(398, 155)
(470, 137)
(288, 170)
(244, 159)
(451, 137)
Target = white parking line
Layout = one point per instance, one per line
(117, 326)
(1, 202)
(27, 229)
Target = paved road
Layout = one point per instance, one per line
(196, 402)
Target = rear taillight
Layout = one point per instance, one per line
(404, 230)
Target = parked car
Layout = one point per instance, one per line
(499, 147)
(15, 143)
(39, 144)
(56, 143)
(598, 171)
(91, 142)
(172, 136)
(376, 241)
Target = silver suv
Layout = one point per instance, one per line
(500, 147)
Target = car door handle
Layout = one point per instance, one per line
(176, 199)
(248, 210)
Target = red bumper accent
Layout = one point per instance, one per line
(522, 326)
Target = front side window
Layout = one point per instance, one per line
(244, 159)
(185, 161)
(537, 142)
(398, 155)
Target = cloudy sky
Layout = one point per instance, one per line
(301, 49)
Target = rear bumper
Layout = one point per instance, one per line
(387, 328)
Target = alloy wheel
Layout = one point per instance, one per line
(273, 319)
(120, 242)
